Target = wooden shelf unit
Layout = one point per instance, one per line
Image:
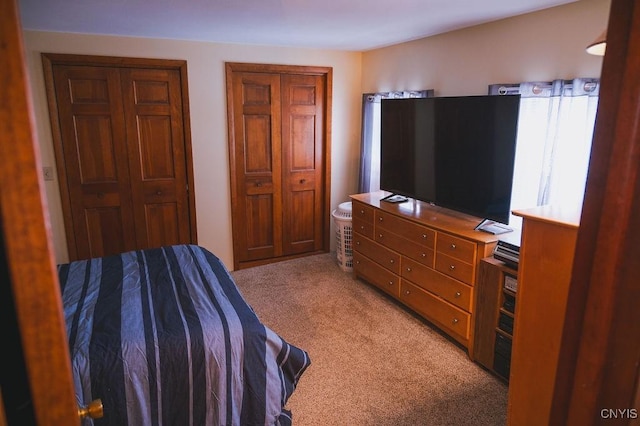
(493, 342)
(549, 236)
(425, 256)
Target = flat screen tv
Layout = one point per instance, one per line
(454, 152)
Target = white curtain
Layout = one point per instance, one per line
(555, 129)
(370, 147)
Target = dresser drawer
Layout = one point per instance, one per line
(376, 274)
(408, 248)
(374, 251)
(455, 321)
(411, 231)
(362, 212)
(455, 268)
(455, 247)
(441, 285)
(363, 227)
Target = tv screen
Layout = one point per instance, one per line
(454, 152)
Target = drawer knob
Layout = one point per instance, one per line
(357, 243)
(379, 235)
(455, 321)
(357, 262)
(392, 261)
(362, 227)
(458, 294)
(361, 211)
(424, 236)
(407, 292)
(380, 218)
(452, 267)
(424, 255)
(453, 246)
(408, 269)
(390, 282)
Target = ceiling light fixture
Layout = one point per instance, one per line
(599, 45)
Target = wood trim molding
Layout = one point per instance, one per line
(113, 61)
(56, 134)
(278, 69)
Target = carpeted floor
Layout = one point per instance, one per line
(372, 361)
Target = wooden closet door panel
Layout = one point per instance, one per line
(156, 149)
(95, 161)
(257, 226)
(302, 162)
(279, 161)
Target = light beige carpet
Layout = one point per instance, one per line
(373, 362)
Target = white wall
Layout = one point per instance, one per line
(207, 96)
(540, 46)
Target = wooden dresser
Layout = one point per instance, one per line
(544, 273)
(424, 256)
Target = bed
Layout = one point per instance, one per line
(164, 337)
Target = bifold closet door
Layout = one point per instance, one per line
(122, 158)
(278, 162)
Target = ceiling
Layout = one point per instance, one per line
(355, 25)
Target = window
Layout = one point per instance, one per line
(555, 129)
(370, 148)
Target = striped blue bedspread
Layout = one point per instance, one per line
(164, 337)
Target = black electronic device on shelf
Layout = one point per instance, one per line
(502, 356)
(508, 249)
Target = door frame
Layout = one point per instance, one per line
(49, 60)
(34, 304)
(327, 73)
(599, 360)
